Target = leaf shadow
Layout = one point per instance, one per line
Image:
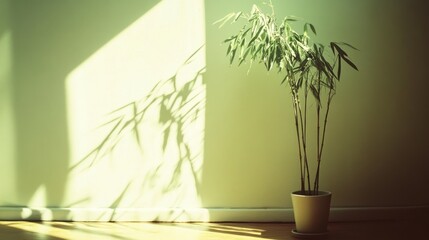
(178, 103)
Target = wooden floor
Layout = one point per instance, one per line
(379, 230)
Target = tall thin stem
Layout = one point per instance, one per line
(295, 111)
(304, 143)
(328, 104)
(304, 132)
(316, 179)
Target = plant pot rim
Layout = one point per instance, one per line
(320, 194)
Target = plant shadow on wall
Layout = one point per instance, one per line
(164, 131)
(44, 49)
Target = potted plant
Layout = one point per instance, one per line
(312, 72)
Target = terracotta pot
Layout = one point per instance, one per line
(311, 212)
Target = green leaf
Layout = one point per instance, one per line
(229, 49)
(255, 9)
(232, 55)
(304, 47)
(291, 18)
(245, 32)
(313, 29)
(328, 66)
(271, 58)
(224, 20)
(348, 61)
(243, 43)
(339, 49)
(303, 64)
(258, 49)
(237, 15)
(315, 93)
(242, 46)
(243, 58)
(256, 35)
(284, 79)
(332, 47)
(320, 46)
(230, 39)
(290, 49)
(348, 45)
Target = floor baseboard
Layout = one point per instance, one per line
(203, 214)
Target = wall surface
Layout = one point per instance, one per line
(133, 105)
(376, 147)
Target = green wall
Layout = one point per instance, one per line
(376, 148)
(48, 40)
(7, 129)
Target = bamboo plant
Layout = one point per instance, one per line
(309, 68)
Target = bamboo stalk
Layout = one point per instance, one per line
(302, 172)
(304, 144)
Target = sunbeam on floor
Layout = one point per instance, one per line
(371, 230)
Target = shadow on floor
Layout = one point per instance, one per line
(18, 231)
(369, 230)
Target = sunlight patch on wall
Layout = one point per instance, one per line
(39, 197)
(136, 113)
(7, 127)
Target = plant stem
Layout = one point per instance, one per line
(305, 131)
(295, 111)
(304, 143)
(316, 179)
(328, 104)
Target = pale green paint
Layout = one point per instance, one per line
(7, 126)
(377, 141)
